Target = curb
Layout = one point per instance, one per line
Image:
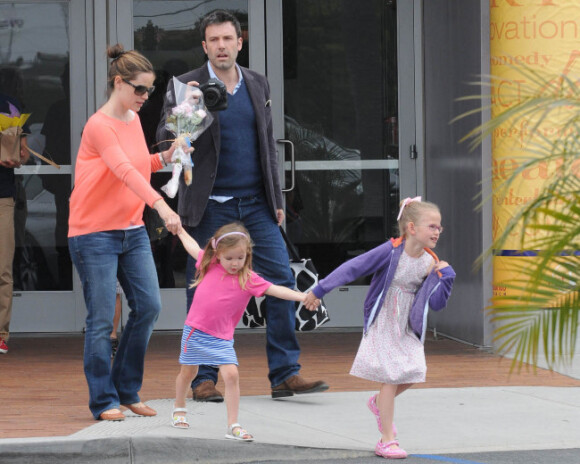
(160, 450)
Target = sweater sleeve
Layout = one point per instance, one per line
(438, 299)
(156, 163)
(109, 148)
(362, 265)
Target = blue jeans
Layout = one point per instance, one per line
(100, 259)
(270, 260)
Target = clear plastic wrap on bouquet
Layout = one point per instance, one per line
(187, 120)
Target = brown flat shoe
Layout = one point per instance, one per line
(140, 409)
(296, 385)
(206, 391)
(111, 415)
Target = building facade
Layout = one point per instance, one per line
(362, 97)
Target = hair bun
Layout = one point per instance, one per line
(115, 51)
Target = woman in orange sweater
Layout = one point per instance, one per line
(108, 240)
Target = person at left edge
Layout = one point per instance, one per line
(10, 82)
(108, 240)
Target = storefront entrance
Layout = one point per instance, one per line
(344, 103)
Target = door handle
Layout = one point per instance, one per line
(292, 165)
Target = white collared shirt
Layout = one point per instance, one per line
(213, 75)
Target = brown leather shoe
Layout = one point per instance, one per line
(297, 385)
(112, 415)
(140, 409)
(206, 391)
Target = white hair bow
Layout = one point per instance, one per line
(406, 201)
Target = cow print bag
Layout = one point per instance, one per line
(306, 278)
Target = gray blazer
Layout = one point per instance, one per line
(193, 200)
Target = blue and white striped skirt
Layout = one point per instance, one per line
(198, 348)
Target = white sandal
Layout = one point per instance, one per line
(179, 421)
(236, 432)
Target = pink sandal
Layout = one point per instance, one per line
(372, 405)
(386, 450)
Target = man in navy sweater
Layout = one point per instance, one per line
(235, 178)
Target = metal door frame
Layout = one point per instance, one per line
(55, 310)
(411, 171)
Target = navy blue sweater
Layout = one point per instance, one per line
(239, 173)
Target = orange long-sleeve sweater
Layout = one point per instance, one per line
(112, 176)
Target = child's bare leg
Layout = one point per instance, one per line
(182, 384)
(386, 404)
(231, 379)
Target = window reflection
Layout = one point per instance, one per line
(328, 214)
(36, 258)
(167, 32)
(338, 82)
(35, 53)
(340, 94)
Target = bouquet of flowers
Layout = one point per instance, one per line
(187, 120)
(10, 132)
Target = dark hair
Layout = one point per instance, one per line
(126, 64)
(219, 17)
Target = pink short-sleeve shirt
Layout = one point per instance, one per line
(219, 301)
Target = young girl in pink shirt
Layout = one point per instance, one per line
(225, 283)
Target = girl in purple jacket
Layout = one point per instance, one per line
(408, 279)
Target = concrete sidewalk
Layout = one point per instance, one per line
(331, 426)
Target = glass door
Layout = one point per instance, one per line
(341, 96)
(38, 61)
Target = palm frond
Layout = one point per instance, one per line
(539, 311)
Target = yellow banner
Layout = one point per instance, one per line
(543, 37)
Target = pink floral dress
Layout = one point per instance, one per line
(390, 352)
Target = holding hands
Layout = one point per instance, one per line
(311, 302)
(170, 218)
